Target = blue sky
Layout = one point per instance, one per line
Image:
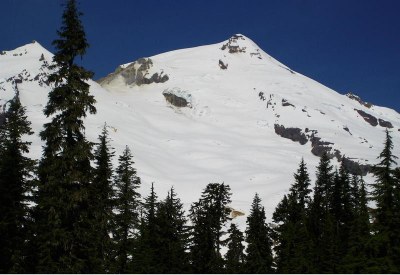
(347, 45)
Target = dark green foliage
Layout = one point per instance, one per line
(64, 220)
(355, 259)
(208, 215)
(385, 242)
(293, 244)
(15, 176)
(234, 258)
(146, 257)
(172, 236)
(102, 196)
(258, 237)
(126, 221)
(321, 220)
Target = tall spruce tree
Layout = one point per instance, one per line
(385, 240)
(258, 237)
(102, 196)
(208, 216)
(292, 239)
(355, 260)
(321, 220)
(126, 219)
(173, 236)
(234, 258)
(148, 241)
(15, 176)
(64, 229)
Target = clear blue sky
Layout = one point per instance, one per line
(347, 45)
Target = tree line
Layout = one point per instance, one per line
(73, 212)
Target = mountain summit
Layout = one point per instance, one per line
(223, 112)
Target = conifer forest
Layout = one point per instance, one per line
(71, 211)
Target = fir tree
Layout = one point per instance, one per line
(173, 236)
(102, 196)
(385, 240)
(64, 229)
(258, 237)
(15, 176)
(126, 221)
(234, 258)
(208, 216)
(145, 257)
(355, 259)
(293, 246)
(321, 220)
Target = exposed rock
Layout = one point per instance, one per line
(41, 58)
(373, 121)
(286, 103)
(262, 96)
(177, 97)
(294, 134)
(136, 73)
(232, 45)
(355, 167)
(319, 147)
(385, 123)
(358, 99)
(222, 65)
(347, 130)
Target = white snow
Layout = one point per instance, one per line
(228, 134)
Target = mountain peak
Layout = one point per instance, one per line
(239, 43)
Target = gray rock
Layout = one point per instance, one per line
(385, 123)
(286, 103)
(373, 121)
(294, 134)
(175, 100)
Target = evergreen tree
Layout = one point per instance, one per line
(126, 219)
(258, 237)
(208, 216)
(102, 196)
(63, 218)
(145, 257)
(321, 220)
(234, 258)
(342, 210)
(355, 259)
(385, 240)
(293, 246)
(173, 236)
(15, 176)
(301, 186)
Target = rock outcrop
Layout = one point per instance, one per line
(294, 134)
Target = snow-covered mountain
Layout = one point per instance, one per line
(226, 112)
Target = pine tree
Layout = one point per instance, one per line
(293, 246)
(321, 221)
(127, 206)
(63, 218)
(341, 210)
(145, 257)
(301, 187)
(355, 259)
(258, 237)
(234, 258)
(208, 216)
(102, 196)
(385, 240)
(173, 236)
(15, 176)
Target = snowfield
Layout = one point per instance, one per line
(237, 93)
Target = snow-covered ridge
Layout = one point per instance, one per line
(249, 122)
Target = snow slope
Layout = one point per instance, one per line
(236, 95)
